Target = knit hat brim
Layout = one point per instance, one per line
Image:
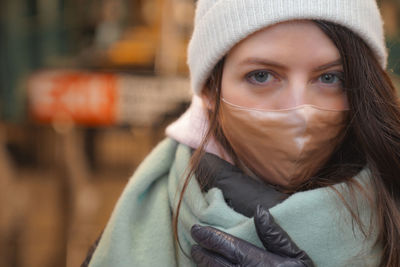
(220, 25)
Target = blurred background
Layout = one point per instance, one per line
(87, 88)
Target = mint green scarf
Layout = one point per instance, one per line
(139, 232)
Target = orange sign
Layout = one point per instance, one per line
(83, 97)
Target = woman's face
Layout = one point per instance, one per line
(283, 66)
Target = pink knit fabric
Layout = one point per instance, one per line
(191, 127)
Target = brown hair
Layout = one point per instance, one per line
(372, 139)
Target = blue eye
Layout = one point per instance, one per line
(259, 77)
(329, 78)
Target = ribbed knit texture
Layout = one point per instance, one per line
(220, 24)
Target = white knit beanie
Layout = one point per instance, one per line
(220, 24)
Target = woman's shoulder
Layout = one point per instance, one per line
(160, 157)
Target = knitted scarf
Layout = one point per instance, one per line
(139, 232)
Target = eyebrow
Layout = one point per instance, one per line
(261, 61)
(335, 63)
(265, 62)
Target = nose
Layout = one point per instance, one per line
(294, 94)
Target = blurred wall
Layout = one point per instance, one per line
(62, 165)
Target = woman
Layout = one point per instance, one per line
(296, 114)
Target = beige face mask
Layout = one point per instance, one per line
(283, 147)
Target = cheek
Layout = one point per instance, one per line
(343, 103)
(237, 91)
(336, 102)
(231, 89)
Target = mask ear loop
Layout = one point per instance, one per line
(284, 109)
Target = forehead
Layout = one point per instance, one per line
(302, 40)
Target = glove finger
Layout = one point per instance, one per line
(206, 258)
(274, 238)
(231, 247)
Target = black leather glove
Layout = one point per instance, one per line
(219, 249)
(241, 192)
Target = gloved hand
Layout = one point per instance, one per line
(219, 249)
(241, 192)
